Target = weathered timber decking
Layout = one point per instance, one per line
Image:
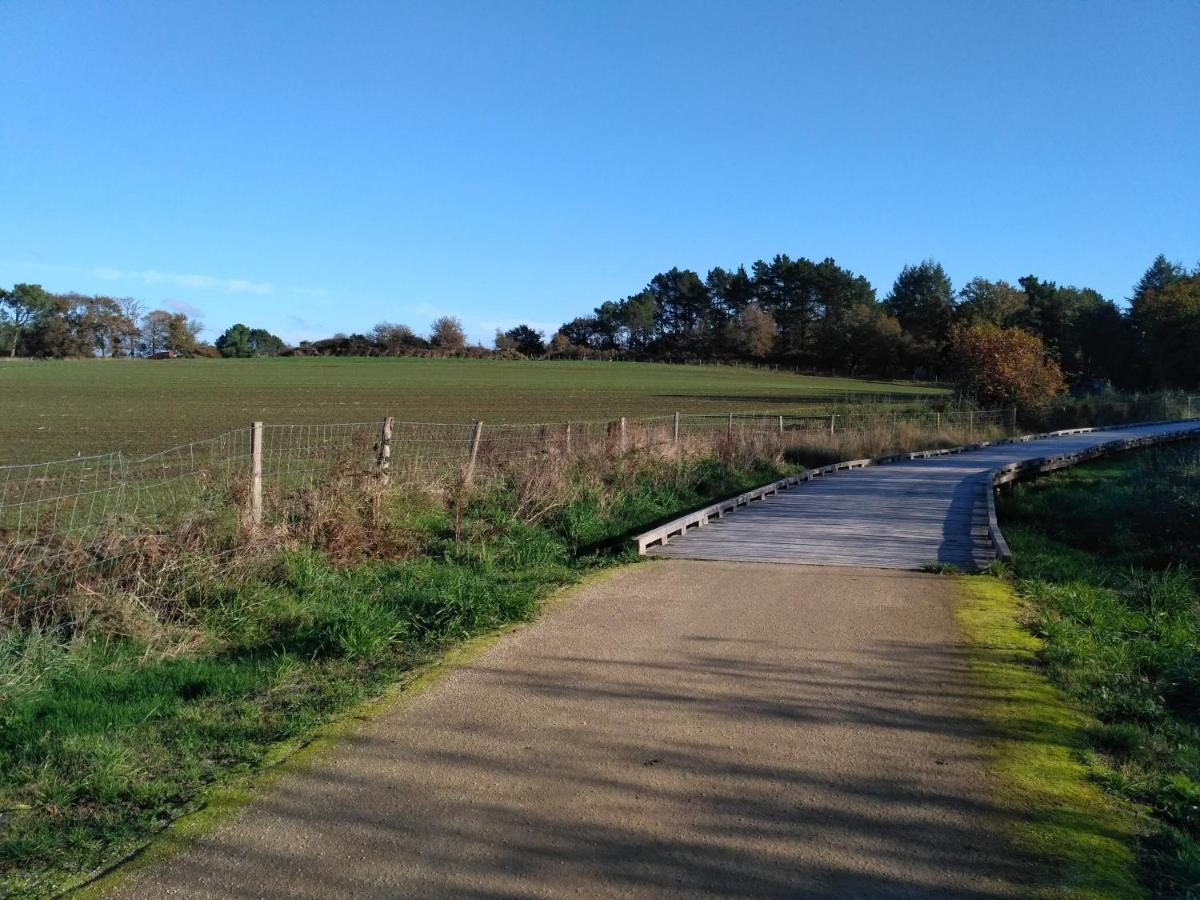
(902, 515)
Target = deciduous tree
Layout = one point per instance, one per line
(755, 332)
(1004, 366)
(524, 339)
(447, 333)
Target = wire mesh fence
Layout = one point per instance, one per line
(58, 519)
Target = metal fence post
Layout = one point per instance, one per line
(385, 450)
(469, 475)
(256, 471)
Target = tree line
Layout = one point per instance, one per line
(821, 316)
(35, 322)
(793, 312)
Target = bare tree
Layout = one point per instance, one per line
(393, 338)
(156, 330)
(131, 313)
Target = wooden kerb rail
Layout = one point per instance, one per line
(701, 517)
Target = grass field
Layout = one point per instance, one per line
(1107, 559)
(53, 410)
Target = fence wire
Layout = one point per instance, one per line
(59, 518)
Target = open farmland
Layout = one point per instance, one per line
(52, 410)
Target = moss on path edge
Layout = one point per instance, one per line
(1081, 837)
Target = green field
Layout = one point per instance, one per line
(52, 410)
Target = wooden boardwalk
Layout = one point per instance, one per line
(903, 515)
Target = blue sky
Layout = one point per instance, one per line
(319, 167)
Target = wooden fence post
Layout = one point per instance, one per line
(568, 439)
(385, 450)
(256, 470)
(939, 422)
(1013, 429)
(781, 424)
(469, 475)
(970, 424)
(676, 429)
(624, 443)
(731, 424)
(832, 421)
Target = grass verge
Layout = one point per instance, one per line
(1105, 568)
(1035, 737)
(111, 730)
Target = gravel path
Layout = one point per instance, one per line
(681, 728)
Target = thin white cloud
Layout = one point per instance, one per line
(491, 325)
(203, 282)
(182, 306)
(422, 309)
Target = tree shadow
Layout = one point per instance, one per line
(724, 767)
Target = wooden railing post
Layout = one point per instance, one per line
(256, 472)
(385, 450)
(469, 474)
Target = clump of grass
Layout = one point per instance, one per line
(1107, 558)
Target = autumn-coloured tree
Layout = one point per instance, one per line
(1004, 366)
(756, 331)
(560, 344)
